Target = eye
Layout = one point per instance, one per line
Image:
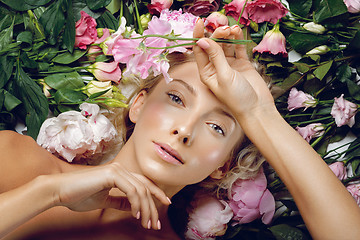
(217, 128)
(176, 99)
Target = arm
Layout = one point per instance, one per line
(324, 203)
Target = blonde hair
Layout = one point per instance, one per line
(245, 160)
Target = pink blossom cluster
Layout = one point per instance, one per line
(208, 218)
(250, 200)
(258, 11)
(299, 99)
(343, 111)
(74, 135)
(311, 131)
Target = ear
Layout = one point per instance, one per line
(137, 105)
(220, 172)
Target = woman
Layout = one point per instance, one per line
(184, 132)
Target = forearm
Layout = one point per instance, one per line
(21, 204)
(323, 201)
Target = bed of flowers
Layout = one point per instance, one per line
(63, 61)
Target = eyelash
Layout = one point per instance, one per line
(218, 129)
(175, 98)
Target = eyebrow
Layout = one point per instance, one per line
(223, 112)
(187, 86)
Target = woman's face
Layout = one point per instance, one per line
(183, 133)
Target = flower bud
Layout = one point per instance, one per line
(319, 50)
(144, 20)
(314, 27)
(46, 88)
(114, 103)
(96, 86)
(215, 20)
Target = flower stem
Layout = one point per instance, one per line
(313, 144)
(241, 13)
(141, 30)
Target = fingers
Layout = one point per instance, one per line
(240, 49)
(199, 29)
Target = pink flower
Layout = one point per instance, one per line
(111, 41)
(353, 6)
(354, 190)
(343, 111)
(156, 6)
(234, 8)
(93, 52)
(339, 170)
(250, 199)
(85, 31)
(273, 42)
(208, 218)
(266, 11)
(104, 33)
(72, 134)
(202, 7)
(299, 99)
(215, 20)
(106, 71)
(311, 131)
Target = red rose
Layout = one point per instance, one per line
(202, 7)
(266, 11)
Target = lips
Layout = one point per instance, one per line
(168, 154)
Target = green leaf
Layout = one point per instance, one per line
(286, 232)
(6, 69)
(304, 42)
(25, 37)
(18, 5)
(69, 32)
(6, 36)
(291, 80)
(328, 9)
(356, 151)
(97, 4)
(354, 89)
(70, 80)
(35, 102)
(37, 3)
(98, 94)
(107, 20)
(354, 43)
(322, 70)
(302, 67)
(300, 7)
(53, 20)
(10, 101)
(355, 165)
(343, 73)
(27, 62)
(67, 58)
(68, 96)
(101, 58)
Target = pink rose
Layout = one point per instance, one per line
(156, 6)
(208, 218)
(234, 8)
(343, 111)
(311, 131)
(215, 20)
(353, 6)
(354, 190)
(202, 7)
(299, 99)
(339, 170)
(273, 42)
(85, 31)
(106, 71)
(74, 135)
(266, 11)
(250, 199)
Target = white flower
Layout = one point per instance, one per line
(319, 50)
(314, 27)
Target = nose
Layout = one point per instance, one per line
(185, 134)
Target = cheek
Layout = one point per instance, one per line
(212, 154)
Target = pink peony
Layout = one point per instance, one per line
(156, 6)
(354, 190)
(311, 131)
(215, 20)
(353, 6)
(73, 135)
(250, 199)
(106, 71)
(266, 11)
(85, 31)
(208, 218)
(202, 7)
(339, 170)
(299, 99)
(273, 42)
(343, 111)
(234, 8)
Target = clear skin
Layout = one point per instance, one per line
(326, 207)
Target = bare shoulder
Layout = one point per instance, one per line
(22, 159)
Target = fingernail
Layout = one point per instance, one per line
(203, 44)
(158, 225)
(168, 200)
(235, 26)
(149, 224)
(138, 215)
(198, 19)
(225, 27)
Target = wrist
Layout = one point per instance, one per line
(44, 187)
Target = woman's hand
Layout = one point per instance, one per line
(89, 189)
(227, 71)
